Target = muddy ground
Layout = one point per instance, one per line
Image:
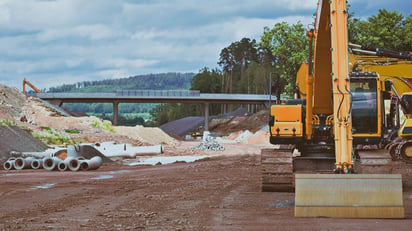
(218, 193)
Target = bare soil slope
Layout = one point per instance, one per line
(35, 115)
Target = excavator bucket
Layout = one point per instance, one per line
(349, 195)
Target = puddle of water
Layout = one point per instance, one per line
(164, 160)
(102, 177)
(8, 174)
(45, 186)
(119, 172)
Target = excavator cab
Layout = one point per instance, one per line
(366, 106)
(406, 101)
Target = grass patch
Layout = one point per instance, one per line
(45, 128)
(73, 131)
(50, 136)
(104, 125)
(7, 122)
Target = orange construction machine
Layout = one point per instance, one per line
(316, 136)
(30, 85)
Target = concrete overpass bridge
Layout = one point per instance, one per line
(154, 96)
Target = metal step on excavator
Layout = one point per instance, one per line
(315, 152)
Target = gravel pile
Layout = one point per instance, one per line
(209, 145)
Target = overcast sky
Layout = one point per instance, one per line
(52, 42)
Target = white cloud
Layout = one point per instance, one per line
(4, 13)
(128, 63)
(92, 32)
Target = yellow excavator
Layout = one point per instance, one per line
(314, 153)
(389, 129)
(395, 68)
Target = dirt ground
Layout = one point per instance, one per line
(221, 192)
(218, 193)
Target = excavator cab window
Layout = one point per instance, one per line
(364, 105)
(407, 103)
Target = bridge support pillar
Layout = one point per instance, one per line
(55, 102)
(224, 108)
(115, 113)
(206, 116)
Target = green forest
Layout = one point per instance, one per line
(244, 66)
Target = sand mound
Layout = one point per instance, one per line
(146, 135)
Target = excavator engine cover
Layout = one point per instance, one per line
(349, 195)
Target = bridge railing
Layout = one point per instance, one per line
(187, 93)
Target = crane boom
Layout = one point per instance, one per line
(30, 85)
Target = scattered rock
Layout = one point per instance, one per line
(209, 145)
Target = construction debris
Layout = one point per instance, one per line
(209, 145)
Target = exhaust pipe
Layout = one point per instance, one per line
(9, 164)
(92, 164)
(23, 163)
(37, 163)
(51, 163)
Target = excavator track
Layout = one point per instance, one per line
(277, 170)
(375, 161)
(404, 151)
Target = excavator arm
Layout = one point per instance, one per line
(340, 82)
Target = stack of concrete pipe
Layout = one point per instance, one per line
(53, 163)
(74, 161)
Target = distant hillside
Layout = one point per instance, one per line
(163, 81)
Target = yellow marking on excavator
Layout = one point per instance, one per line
(408, 152)
(349, 195)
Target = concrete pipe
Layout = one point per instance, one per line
(9, 164)
(62, 166)
(92, 164)
(50, 163)
(128, 151)
(37, 163)
(73, 151)
(72, 163)
(23, 163)
(157, 149)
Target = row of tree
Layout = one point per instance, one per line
(161, 81)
